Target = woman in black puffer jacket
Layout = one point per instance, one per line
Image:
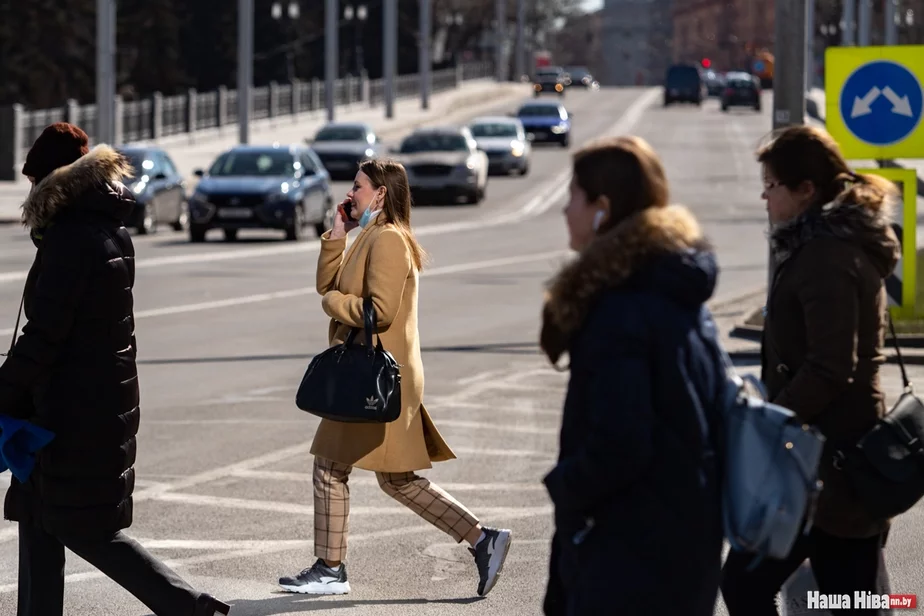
(73, 372)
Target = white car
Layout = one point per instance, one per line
(342, 146)
(444, 162)
(504, 140)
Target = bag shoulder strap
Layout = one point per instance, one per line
(906, 384)
(22, 303)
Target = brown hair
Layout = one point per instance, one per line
(397, 208)
(798, 154)
(627, 171)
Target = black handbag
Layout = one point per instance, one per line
(886, 466)
(351, 382)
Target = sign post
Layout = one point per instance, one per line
(901, 286)
(875, 102)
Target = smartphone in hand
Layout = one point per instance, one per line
(346, 206)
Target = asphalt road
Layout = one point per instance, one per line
(225, 332)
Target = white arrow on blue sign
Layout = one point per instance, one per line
(881, 102)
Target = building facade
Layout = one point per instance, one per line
(578, 43)
(727, 32)
(636, 41)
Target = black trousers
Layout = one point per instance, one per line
(841, 566)
(121, 558)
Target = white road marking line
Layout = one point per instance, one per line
(481, 425)
(511, 453)
(538, 257)
(274, 547)
(363, 480)
(279, 455)
(547, 195)
(519, 406)
(8, 534)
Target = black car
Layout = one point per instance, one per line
(160, 190)
(683, 83)
(580, 77)
(741, 90)
(262, 187)
(549, 80)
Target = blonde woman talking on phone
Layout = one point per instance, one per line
(383, 263)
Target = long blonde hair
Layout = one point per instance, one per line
(397, 209)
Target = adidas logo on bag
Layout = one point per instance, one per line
(371, 403)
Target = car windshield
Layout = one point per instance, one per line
(434, 143)
(499, 129)
(253, 163)
(741, 84)
(539, 111)
(683, 76)
(578, 72)
(547, 74)
(341, 133)
(136, 160)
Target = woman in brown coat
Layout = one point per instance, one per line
(383, 263)
(822, 347)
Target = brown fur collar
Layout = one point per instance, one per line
(867, 226)
(609, 261)
(63, 185)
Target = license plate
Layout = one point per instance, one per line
(541, 134)
(337, 164)
(235, 212)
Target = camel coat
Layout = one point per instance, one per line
(378, 264)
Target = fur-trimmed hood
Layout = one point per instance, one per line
(869, 227)
(659, 248)
(102, 169)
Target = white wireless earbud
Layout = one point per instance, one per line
(598, 219)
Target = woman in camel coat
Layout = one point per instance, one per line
(383, 263)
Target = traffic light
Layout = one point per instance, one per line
(706, 62)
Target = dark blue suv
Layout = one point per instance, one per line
(546, 121)
(262, 187)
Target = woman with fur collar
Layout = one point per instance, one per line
(73, 372)
(823, 332)
(636, 498)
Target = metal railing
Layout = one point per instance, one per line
(163, 116)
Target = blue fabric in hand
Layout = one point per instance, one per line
(19, 440)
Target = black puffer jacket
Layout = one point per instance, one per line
(73, 369)
(637, 513)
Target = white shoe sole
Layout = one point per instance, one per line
(496, 563)
(333, 588)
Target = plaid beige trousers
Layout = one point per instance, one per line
(332, 506)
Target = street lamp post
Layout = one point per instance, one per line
(453, 19)
(293, 13)
(358, 14)
(331, 53)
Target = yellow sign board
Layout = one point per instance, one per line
(901, 286)
(875, 100)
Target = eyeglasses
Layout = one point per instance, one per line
(768, 186)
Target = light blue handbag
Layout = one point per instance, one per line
(769, 460)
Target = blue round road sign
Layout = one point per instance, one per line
(881, 102)
(758, 66)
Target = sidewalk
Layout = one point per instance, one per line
(198, 151)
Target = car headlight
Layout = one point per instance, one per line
(559, 129)
(517, 149)
(370, 152)
(139, 187)
(470, 164)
